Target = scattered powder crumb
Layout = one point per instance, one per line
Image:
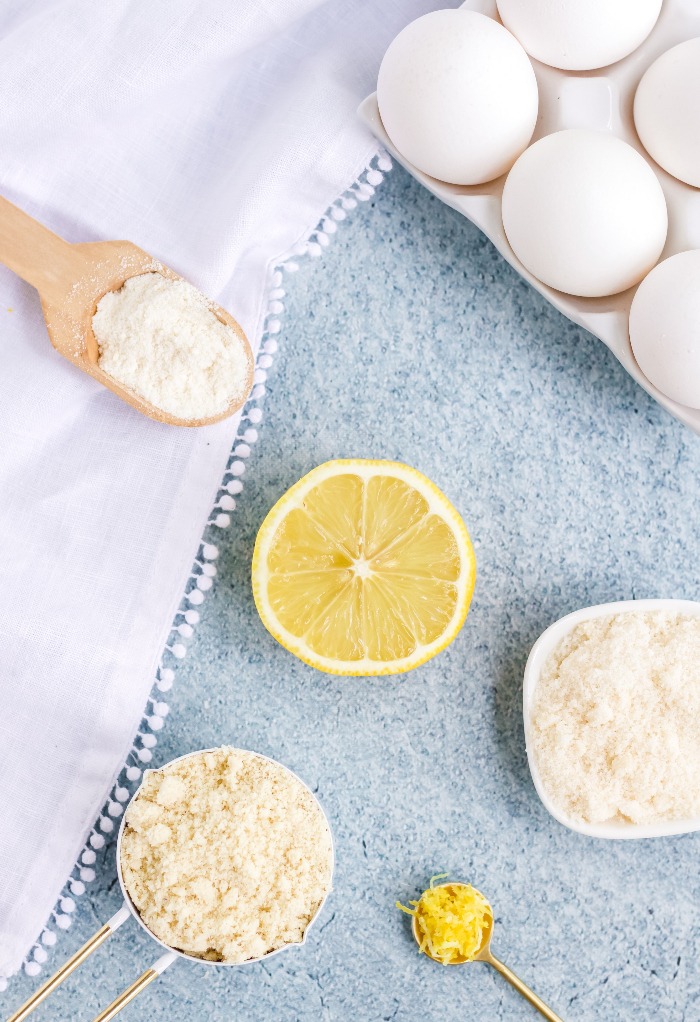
(616, 719)
(226, 855)
(161, 339)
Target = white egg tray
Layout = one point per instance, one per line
(602, 100)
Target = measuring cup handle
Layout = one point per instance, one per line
(523, 989)
(135, 989)
(77, 959)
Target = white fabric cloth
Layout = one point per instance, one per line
(213, 135)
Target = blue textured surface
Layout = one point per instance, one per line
(413, 340)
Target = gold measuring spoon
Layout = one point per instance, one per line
(71, 279)
(484, 954)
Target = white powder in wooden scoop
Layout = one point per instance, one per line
(161, 339)
(616, 719)
(226, 855)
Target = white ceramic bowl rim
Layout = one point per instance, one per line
(183, 954)
(546, 643)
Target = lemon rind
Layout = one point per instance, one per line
(438, 504)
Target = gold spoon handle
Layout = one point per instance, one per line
(523, 989)
(136, 987)
(37, 255)
(73, 962)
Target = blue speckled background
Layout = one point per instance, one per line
(411, 339)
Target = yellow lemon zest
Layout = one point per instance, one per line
(450, 920)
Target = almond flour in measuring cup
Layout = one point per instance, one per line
(161, 339)
(226, 855)
(615, 724)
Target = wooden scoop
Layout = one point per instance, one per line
(71, 279)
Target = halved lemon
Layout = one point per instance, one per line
(363, 567)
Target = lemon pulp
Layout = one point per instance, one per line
(363, 567)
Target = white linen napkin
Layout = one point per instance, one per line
(213, 135)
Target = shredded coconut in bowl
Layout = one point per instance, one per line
(160, 338)
(615, 720)
(226, 855)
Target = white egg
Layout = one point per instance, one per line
(458, 96)
(584, 213)
(665, 327)
(579, 35)
(666, 111)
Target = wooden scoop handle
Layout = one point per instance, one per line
(39, 256)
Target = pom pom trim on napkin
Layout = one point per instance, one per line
(203, 570)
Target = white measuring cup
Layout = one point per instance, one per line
(539, 654)
(170, 954)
